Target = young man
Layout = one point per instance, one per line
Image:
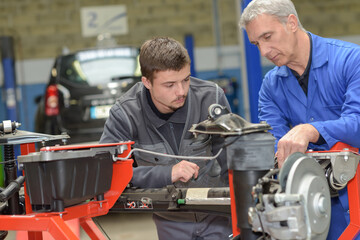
(157, 114)
(311, 98)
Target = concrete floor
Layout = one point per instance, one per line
(129, 226)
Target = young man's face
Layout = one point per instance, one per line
(274, 39)
(169, 89)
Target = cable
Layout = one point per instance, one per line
(169, 155)
(261, 225)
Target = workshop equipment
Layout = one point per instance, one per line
(10, 136)
(214, 200)
(298, 204)
(249, 153)
(56, 200)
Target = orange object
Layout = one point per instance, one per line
(54, 222)
(353, 187)
(235, 228)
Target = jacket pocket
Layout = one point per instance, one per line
(334, 109)
(150, 159)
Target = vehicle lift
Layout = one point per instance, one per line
(247, 145)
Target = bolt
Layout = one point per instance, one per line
(217, 111)
(322, 205)
(343, 178)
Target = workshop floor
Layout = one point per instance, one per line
(119, 226)
(129, 226)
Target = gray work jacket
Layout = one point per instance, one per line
(131, 118)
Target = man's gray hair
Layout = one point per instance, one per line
(278, 8)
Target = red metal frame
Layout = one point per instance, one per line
(353, 187)
(54, 222)
(235, 228)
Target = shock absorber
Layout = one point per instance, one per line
(249, 158)
(249, 155)
(11, 175)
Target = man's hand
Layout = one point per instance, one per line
(184, 171)
(296, 140)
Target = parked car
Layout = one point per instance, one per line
(83, 86)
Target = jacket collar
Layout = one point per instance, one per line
(319, 51)
(320, 57)
(178, 117)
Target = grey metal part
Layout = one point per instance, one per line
(344, 164)
(306, 177)
(285, 169)
(226, 124)
(21, 137)
(271, 218)
(45, 156)
(207, 201)
(305, 205)
(250, 152)
(200, 196)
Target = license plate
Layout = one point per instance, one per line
(97, 112)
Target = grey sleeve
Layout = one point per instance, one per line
(152, 176)
(118, 128)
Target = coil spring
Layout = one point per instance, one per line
(9, 154)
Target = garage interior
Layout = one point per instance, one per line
(34, 33)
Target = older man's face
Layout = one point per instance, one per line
(275, 40)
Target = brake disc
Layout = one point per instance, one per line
(285, 169)
(306, 177)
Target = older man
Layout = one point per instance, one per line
(311, 98)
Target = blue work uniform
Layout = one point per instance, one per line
(332, 105)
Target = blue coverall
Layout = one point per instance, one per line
(332, 105)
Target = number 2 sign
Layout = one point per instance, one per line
(104, 19)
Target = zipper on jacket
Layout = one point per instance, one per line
(173, 136)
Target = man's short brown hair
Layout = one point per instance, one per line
(161, 54)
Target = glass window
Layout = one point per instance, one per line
(101, 66)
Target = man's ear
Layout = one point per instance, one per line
(293, 22)
(146, 82)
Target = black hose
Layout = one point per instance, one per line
(12, 188)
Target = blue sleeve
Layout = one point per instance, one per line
(270, 112)
(346, 128)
